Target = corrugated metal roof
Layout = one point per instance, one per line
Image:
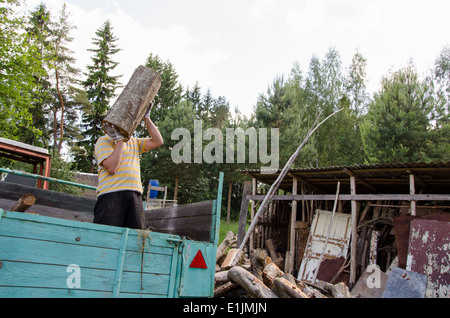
(431, 177)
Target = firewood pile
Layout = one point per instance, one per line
(259, 276)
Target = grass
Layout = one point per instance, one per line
(225, 227)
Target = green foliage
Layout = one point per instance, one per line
(293, 106)
(100, 88)
(40, 103)
(169, 93)
(18, 65)
(396, 128)
(62, 70)
(52, 109)
(62, 170)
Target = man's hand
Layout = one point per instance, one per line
(147, 114)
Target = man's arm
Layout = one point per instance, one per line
(111, 163)
(155, 139)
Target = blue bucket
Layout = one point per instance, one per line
(153, 193)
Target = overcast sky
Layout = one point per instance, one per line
(237, 47)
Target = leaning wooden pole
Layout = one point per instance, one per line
(274, 188)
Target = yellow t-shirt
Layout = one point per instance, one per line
(128, 175)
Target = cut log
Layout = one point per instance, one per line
(225, 288)
(24, 202)
(221, 278)
(339, 290)
(258, 261)
(225, 244)
(272, 250)
(285, 289)
(254, 287)
(270, 273)
(134, 101)
(312, 291)
(233, 258)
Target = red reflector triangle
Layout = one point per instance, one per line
(198, 261)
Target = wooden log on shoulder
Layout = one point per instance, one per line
(24, 202)
(254, 287)
(132, 104)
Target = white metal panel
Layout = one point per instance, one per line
(337, 245)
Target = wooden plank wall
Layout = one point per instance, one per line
(274, 224)
(13, 191)
(190, 220)
(49, 203)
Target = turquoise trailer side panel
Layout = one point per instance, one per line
(197, 282)
(49, 257)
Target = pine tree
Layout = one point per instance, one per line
(100, 88)
(169, 94)
(39, 30)
(396, 126)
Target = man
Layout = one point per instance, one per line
(119, 192)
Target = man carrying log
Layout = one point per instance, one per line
(119, 192)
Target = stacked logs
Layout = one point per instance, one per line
(257, 276)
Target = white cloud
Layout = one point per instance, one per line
(236, 48)
(261, 8)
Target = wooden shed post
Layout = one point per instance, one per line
(412, 190)
(354, 234)
(252, 215)
(244, 212)
(290, 265)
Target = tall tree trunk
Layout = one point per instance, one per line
(55, 127)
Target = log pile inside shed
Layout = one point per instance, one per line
(259, 276)
(398, 256)
(391, 227)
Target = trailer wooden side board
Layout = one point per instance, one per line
(190, 220)
(43, 256)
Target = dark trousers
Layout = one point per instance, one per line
(122, 208)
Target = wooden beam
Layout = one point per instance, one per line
(302, 180)
(362, 180)
(357, 197)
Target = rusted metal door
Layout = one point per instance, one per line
(337, 245)
(429, 254)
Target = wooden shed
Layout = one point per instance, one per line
(29, 154)
(374, 196)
